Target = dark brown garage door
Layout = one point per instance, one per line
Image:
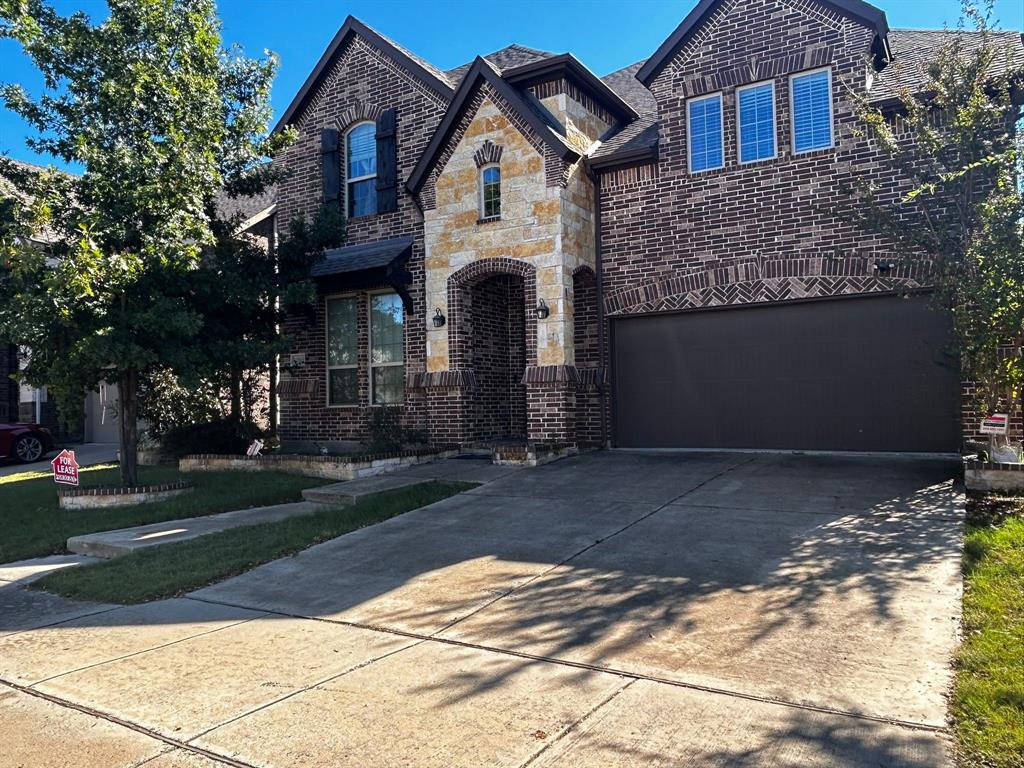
(849, 375)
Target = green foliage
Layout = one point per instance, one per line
(166, 403)
(388, 434)
(955, 145)
(227, 436)
(302, 247)
(161, 116)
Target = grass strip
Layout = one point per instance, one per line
(988, 700)
(174, 569)
(32, 524)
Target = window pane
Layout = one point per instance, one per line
(343, 386)
(341, 331)
(386, 321)
(362, 198)
(388, 384)
(705, 128)
(362, 151)
(492, 175)
(812, 112)
(757, 123)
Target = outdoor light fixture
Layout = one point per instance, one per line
(438, 318)
(542, 310)
(884, 266)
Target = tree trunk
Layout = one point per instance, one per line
(127, 414)
(236, 394)
(272, 397)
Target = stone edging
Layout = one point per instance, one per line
(997, 465)
(993, 476)
(102, 498)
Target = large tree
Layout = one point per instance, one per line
(160, 116)
(955, 141)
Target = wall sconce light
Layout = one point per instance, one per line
(884, 267)
(439, 320)
(542, 310)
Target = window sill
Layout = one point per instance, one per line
(488, 219)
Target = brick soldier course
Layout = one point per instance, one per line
(601, 217)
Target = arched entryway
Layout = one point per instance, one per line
(494, 336)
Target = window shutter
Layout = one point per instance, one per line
(387, 163)
(330, 163)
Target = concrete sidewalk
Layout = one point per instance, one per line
(611, 609)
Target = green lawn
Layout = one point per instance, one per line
(177, 568)
(33, 525)
(988, 702)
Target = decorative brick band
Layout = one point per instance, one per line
(178, 485)
(443, 380)
(593, 377)
(488, 153)
(313, 458)
(550, 374)
(299, 388)
(1001, 466)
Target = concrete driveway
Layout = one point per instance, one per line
(615, 609)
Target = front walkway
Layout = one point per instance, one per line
(612, 609)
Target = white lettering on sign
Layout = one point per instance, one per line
(996, 424)
(65, 468)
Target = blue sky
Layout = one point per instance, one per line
(604, 34)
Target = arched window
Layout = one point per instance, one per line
(490, 192)
(361, 170)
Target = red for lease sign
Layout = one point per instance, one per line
(65, 468)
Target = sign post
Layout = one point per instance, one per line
(65, 468)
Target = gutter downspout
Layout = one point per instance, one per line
(602, 388)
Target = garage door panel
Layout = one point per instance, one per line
(855, 374)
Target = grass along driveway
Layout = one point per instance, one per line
(988, 701)
(174, 569)
(33, 525)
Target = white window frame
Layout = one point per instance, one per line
(344, 161)
(370, 365)
(775, 124)
(480, 192)
(831, 112)
(327, 351)
(689, 133)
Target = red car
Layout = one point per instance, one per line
(24, 442)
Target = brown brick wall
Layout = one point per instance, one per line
(362, 80)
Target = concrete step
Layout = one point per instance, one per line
(352, 491)
(124, 541)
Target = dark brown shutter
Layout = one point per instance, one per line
(330, 161)
(387, 163)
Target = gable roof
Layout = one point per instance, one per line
(509, 57)
(623, 82)
(858, 10)
(534, 116)
(427, 73)
(568, 66)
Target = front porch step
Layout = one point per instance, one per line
(351, 491)
(124, 541)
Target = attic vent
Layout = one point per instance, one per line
(489, 152)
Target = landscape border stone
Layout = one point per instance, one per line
(104, 497)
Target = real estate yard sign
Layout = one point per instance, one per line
(995, 424)
(65, 468)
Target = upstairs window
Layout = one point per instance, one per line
(490, 192)
(811, 97)
(755, 109)
(704, 123)
(361, 170)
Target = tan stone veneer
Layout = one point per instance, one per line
(549, 227)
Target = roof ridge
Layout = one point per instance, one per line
(433, 68)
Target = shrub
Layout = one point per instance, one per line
(222, 436)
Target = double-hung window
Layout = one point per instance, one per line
(810, 95)
(755, 110)
(342, 346)
(705, 139)
(387, 349)
(361, 170)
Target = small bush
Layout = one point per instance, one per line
(389, 435)
(222, 436)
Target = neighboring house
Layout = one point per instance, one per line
(646, 259)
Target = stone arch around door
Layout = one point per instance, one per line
(493, 335)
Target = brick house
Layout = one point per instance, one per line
(649, 259)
